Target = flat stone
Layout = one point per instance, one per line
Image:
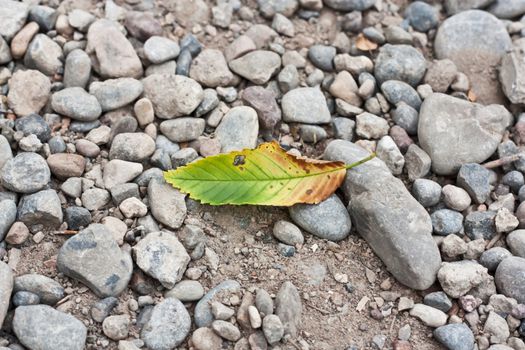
(28, 92)
(238, 129)
(445, 125)
(133, 147)
(6, 288)
(186, 291)
(183, 129)
(118, 172)
(257, 66)
(287, 233)
(168, 325)
(116, 93)
(167, 204)
(77, 104)
(114, 54)
(476, 42)
(203, 315)
(210, 69)
(48, 290)
(44, 328)
(158, 49)
(428, 315)
(327, 220)
(349, 5)
(94, 258)
(64, 165)
(288, 307)
(162, 256)
(172, 95)
(305, 105)
(380, 205)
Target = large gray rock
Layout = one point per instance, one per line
(40, 327)
(167, 204)
(94, 258)
(113, 54)
(172, 95)
(379, 205)
(454, 131)
(510, 278)
(238, 129)
(257, 66)
(41, 208)
(305, 105)
(25, 173)
(6, 288)
(203, 314)
(475, 41)
(512, 73)
(162, 256)
(12, 17)
(168, 325)
(7, 216)
(328, 219)
(115, 93)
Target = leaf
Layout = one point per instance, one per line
(363, 44)
(266, 175)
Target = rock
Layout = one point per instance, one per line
(426, 192)
(142, 25)
(273, 329)
(35, 125)
(186, 291)
(117, 172)
(40, 208)
(288, 308)
(6, 288)
(5, 151)
(42, 327)
(240, 46)
(456, 6)
(238, 129)
(283, 25)
(492, 257)
(287, 233)
(269, 8)
(116, 327)
(101, 309)
(13, 18)
(7, 216)
(226, 330)
(440, 75)
(133, 207)
(411, 256)
(400, 62)
(77, 69)
(94, 258)
(263, 101)
(95, 198)
(205, 339)
(406, 117)
(496, 327)
(349, 5)
(422, 16)
(507, 9)
(188, 14)
(480, 224)
(25, 298)
(475, 41)
(322, 56)
(305, 105)
(511, 74)
(183, 129)
(446, 222)
(438, 300)
(77, 217)
(113, 53)
(44, 54)
(167, 204)
(370, 126)
(457, 278)
(64, 165)
(453, 246)
(455, 198)
(327, 220)
(77, 104)
(475, 179)
(116, 93)
(28, 92)
(168, 325)
(257, 66)
(428, 315)
(210, 69)
(203, 315)
(510, 279)
(18, 233)
(398, 91)
(158, 49)
(162, 256)
(516, 242)
(443, 125)
(133, 147)
(172, 95)
(80, 19)
(455, 336)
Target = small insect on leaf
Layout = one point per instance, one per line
(266, 175)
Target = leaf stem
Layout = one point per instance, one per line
(359, 162)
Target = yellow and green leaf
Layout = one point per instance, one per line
(266, 175)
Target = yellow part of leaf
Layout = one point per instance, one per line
(266, 175)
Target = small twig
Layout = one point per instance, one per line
(294, 344)
(494, 240)
(392, 324)
(66, 232)
(502, 161)
(324, 312)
